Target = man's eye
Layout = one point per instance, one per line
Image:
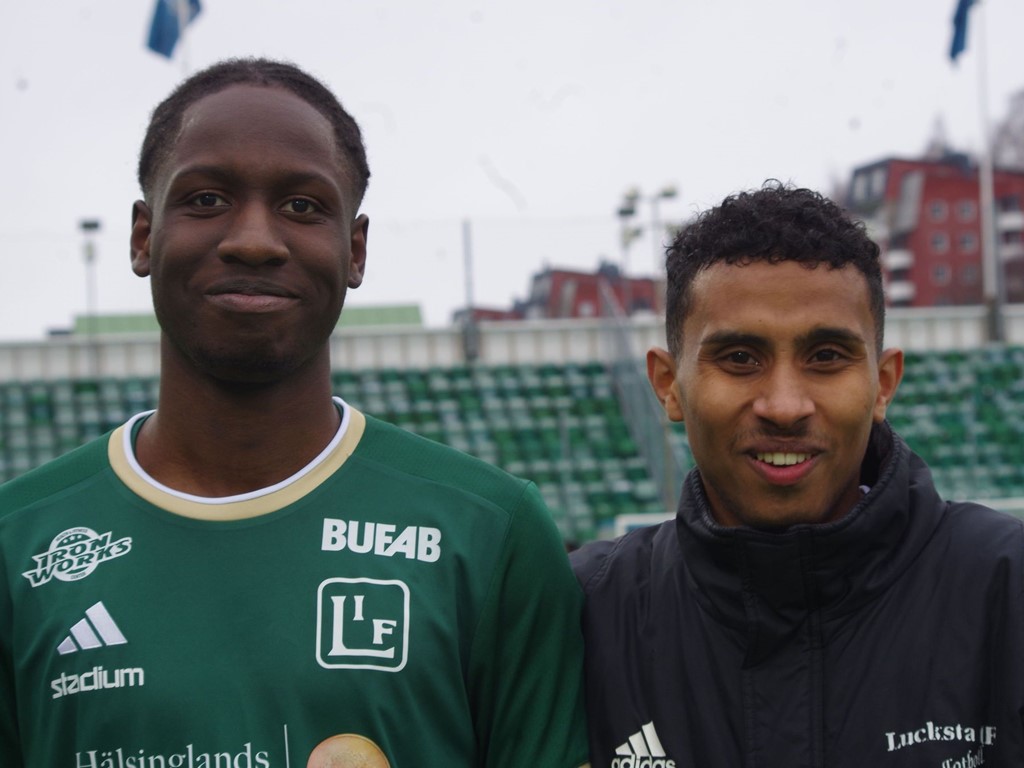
(826, 356)
(299, 205)
(740, 358)
(208, 200)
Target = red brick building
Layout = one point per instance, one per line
(564, 293)
(925, 215)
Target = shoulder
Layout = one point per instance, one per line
(621, 563)
(54, 478)
(429, 465)
(975, 530)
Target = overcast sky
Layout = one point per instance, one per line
(529, 118)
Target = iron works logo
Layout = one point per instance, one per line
(74, 554)
(362, 624)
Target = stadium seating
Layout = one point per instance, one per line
(562, 426)
(963, 411)
(557, 425)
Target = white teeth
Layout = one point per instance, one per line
(783, 459)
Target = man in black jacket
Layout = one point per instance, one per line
(814, 602)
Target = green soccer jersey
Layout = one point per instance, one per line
(395, 603)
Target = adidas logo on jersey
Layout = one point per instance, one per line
(96, 630)
(642, 750)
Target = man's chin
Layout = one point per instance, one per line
(781, 523)
(257, 368)
(775, 518)
(784, 517)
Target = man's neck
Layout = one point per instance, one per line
(212, 438)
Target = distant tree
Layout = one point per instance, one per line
(1008, 141)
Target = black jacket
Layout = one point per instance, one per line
(892, 637)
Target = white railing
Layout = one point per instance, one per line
(529, 342)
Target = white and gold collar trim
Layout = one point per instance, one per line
(121, 453)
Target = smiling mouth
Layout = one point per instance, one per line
(248, 288)
(251, 302)
(779, 459)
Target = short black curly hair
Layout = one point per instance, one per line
(165, 123)
(775, 223)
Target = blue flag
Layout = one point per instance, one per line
(164, 31)
(959, 43)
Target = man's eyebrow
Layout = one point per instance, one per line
(730, 338)
(221, 173)
(216, 172)
(817, 335)
(831, 334)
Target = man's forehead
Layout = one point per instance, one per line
(219, 123)
(242, 105)
(787, 297)
(763, 279)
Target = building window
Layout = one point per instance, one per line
(878, 182)
(968, 242)
(938, 210)
(969, 274)
(966, 210)
(860, 187)
(541, 289)
(1009, 204)
(899, 275)
(941, 274)
(940, 242)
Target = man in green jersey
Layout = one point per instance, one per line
(257, 574)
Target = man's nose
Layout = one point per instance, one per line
(254, 237)
(785, 398)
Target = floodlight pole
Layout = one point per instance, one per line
(993, 268)
(668, 192)
(470, 328)
(89, 229)
(184, 12)
(627, 234)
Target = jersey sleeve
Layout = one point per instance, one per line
(10, 750)
(526, 665)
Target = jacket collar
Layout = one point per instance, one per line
(764, 583)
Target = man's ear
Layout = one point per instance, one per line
(890, 374)
(357, 260)
(661, 372)
(142, 227)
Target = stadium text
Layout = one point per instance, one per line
(97, 679)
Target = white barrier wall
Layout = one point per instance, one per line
(520, 343)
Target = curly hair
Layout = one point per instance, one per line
(165, 123)
(775, 223)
